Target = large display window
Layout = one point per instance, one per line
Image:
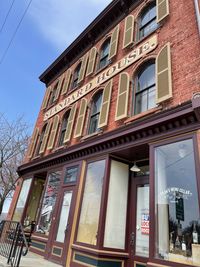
(177, 232)
(90, 210)
(22, 200)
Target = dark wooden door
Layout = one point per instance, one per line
(139, 223)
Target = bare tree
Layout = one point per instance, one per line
(13, 145)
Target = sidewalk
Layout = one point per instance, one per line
(30, 260)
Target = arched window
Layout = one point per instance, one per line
(95, 112)
(147, 20)
(52, 95)
(76, 76)
(40, 140)
(104, 53)
(63, 128)
(145, 88)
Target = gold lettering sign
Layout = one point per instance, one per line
(143, 49)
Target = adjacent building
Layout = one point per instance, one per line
(112, 174)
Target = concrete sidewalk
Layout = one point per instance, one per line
(30, 260)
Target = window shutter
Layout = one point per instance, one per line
(46, 98)
(53, 132)
(114, 42)
(163, 75)
(45, 138)
(33, 142)
(122, 99)
(58, 88)
(83, 68)
(91, 63)
(70, 123)
(66, 82)
(81, 117)
(128, 31)
(162, 9)
(103, 119)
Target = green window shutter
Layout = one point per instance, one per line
(163, 74)
(33, 142)
(45, 138)
(53, 132)
(58, 88)
(122, 99)
(103, 119)
(66, 82)
(162, 9)
(128, 31)
(83, 68)
(81, 118)
(91, 62)
(114, 42)
(70, 124)
(46, 98)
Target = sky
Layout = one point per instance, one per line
(48, 28)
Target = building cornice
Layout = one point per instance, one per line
(145, 130)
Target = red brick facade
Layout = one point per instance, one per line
(173, 118)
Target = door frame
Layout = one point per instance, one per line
(52, 243)
(135, 182)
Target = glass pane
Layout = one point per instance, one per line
(142, 222)
(148, 15)
(115, 227)
(141, 102)
(146, 77)
(94, 124)
(89, 218)
(176, 206)
(22, 200)
(71, 174)
(152, 98)
(64, 216)
(49, 201)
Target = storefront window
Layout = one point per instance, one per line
(89, 218)
(176, 206)
(22, 200)
(71, 175)
(115, 227)
(49, 201)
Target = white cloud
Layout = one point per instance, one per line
(61, 21)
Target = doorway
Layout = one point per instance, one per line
(139, 223)
(61, 227)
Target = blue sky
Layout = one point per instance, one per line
(47, 30)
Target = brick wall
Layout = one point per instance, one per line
(180, 29)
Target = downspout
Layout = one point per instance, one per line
(197, 7)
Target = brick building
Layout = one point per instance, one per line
(112, 174)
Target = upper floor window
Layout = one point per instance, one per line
(40, 140)
(145, 88)
(147, 21)
(104, 54)
(52, 96)
(63, 128)
(95, 112)
(76, 76)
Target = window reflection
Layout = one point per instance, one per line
(177, 209)
(49, 201)
(71, 174)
